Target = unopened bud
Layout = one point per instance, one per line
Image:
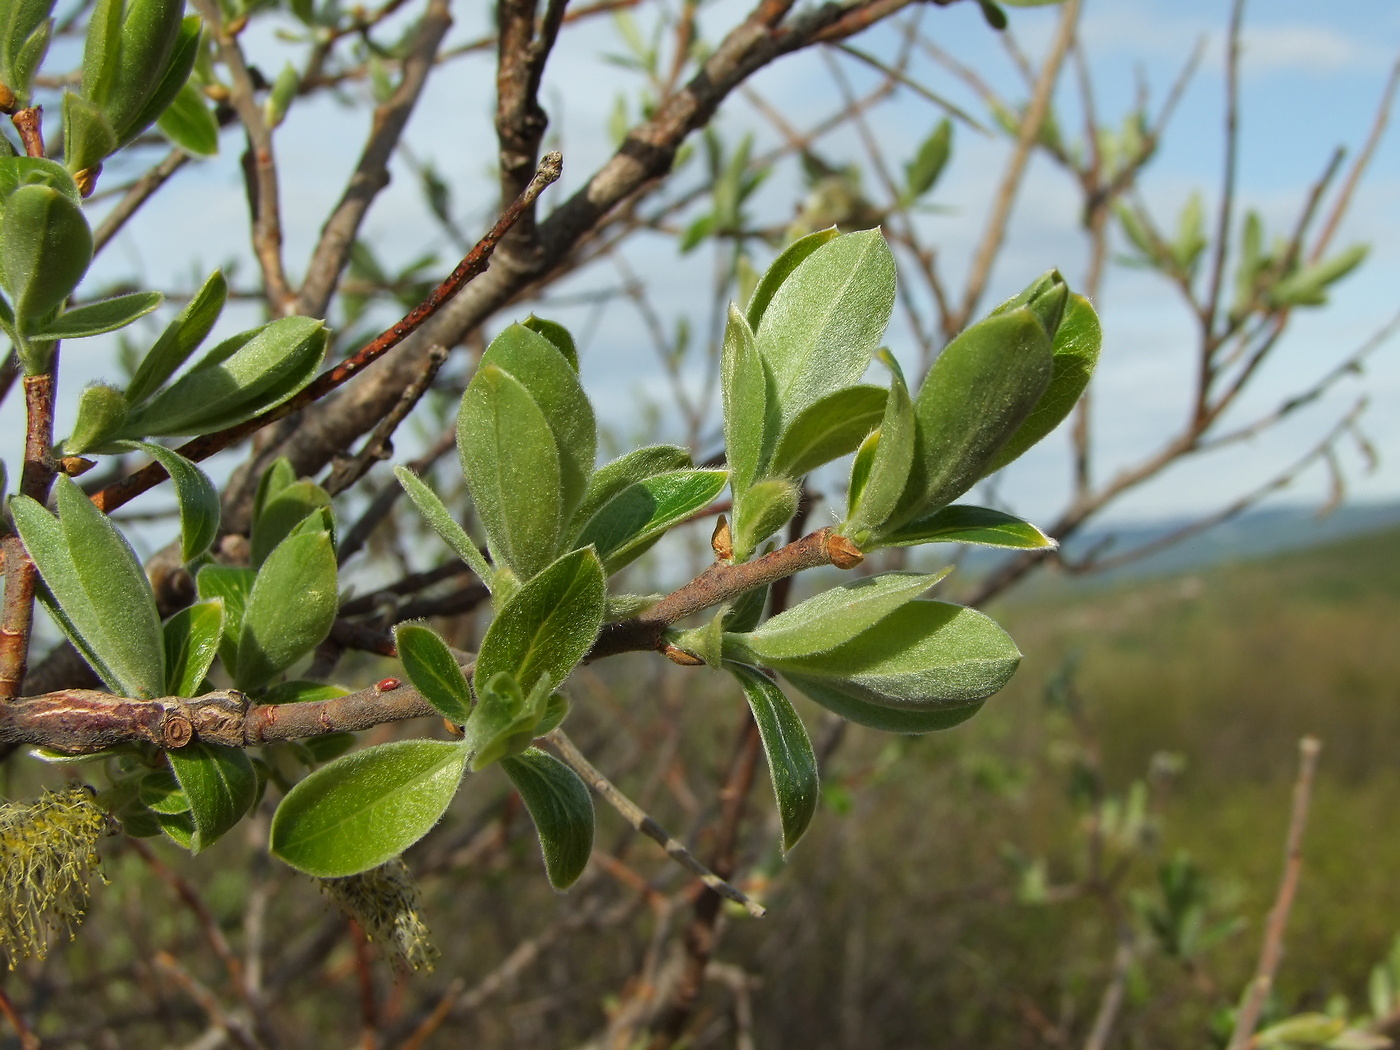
(722, 540)
(843, 553)
(677, 655)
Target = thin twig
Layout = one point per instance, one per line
(1227, 188)
(472, 264)
(633, 814)
(1271, 953)
(206, 1000)
(1112, 1000)
(27, 1039)
(136, 195)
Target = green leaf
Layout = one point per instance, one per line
(106, 315)
(290, 609)
(504, 721)
(282, 512)
(552, 382)
(179, 339)
(512, 469)
(1307, 286)
(436, 514)
(101, 413)
(284, 91)
(792, 764)
(961, 523)
(924, 656)
(781, 269)
(880, 473)
(236, 380)
(636, 465)
(174, 71)
(160, 792)
(301, 690)
(191, 642)
(877, 716)
(366, 807)
(1074, 355)
(630, 522)
(547, 626)
(750, 409)
(923, 171)
(434, 671)
(557, 334)
(45, 248)
(765, 507)
(832, 427)
(231, 585)
(826, 319)
(97, 581)
(190, 124)
(87, 137)
(976, 396)
(220, 783)
(195, 493)
(833, 617)
(562, 810)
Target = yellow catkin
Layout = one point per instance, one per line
(384, 902)
(48, 855)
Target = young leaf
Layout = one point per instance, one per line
(1074, 355)
(504, 721)
(45, 248)
(750, 410)
(101, 413)
(1307, 286)
(923, 656)
(880, 473)
(512, 469)
(282, 512)
(194, 492)
(978, 393)
(241, 377)
(635, 466)
(557, 334)
(290, 609)
(832, 427)
(553, 384)
(961, 523)
(781, 269)
(636, 517)
(877, 716)
(231, 585)
(825, 320)
(792, 764)
(161, 792)
(546, 627)
(765, 508)
(923, 171)
(179, 339)
(434, 671)
(833, 617)
(191, 643)
(366, 807)
(220, 783)
(106, 315)
(562, 810)
(189, 124)
(96, 578)
(437, 515)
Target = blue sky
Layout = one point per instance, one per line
(1312, 74)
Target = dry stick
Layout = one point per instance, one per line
(378, 447)
(1031, 125)
(371, 174)
(358, 534)
(472, 264)
(1272, 951)
(206, 1000)
(261, 160)
(27, 1039)
(138, 194)
(1112, 1000)
(633, 814)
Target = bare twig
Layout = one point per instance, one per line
(1271, 953)
(1112, 1000)
(27, 1039)
(1225, 218)
(633, 814)
(138, 194)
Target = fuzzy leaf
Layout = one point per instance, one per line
(880, 473)
(434, 671)
(231, 585)
(220, 783)
(750, 410)
(635, 466)
(826, 319)
(179, 339)
(437, 515)
(636, 517)
(961, 523)
(546, 627)
(765, 508)
(832, 427)
(877, 716)
(557, 334)
(191, 642)
(189, 123)
(195, 493)
(923, 171)
(282, 512)
(512, 469)
(101, 413)
(781, 269)
(367, 807)
(290, 609)
(562, 810)
(45, 248)
(106, 315)
(792, 764)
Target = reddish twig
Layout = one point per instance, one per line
(475, 261)
(29, 122)
(27, 1039)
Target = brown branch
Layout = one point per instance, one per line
(27, 1039)
(371, 174)
(207, 1001)
(1228, 180)
(380, 507)
(473, 264)
(640, 821)
(29, 122)
(1271, 953)
(136, 195)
